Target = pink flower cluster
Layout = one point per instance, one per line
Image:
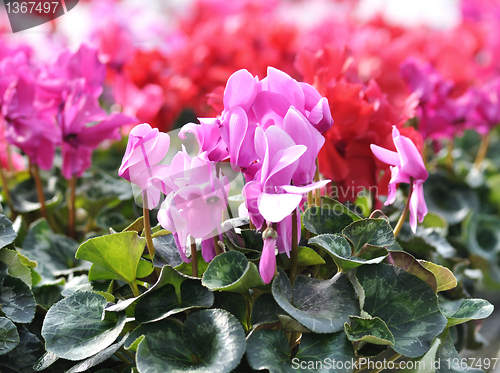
(45, 107)
(270, 130)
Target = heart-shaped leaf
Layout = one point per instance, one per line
(73, 328)
(413, 317)
(321, 220)
(17, 301)
(117, 253)
(322, 353)
(315, 303)
(9, 338)
(162, 303)
(210, 341)
(460, 311)
(54, 253)
(373, 331)
(372, 232)
(340, 251)
(231, 271)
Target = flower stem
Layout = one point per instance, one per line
(294, 255)
(402, 218)
(71, 206)
(217, 248)
(147, 227)
(317, 192)
(194, 258)
(39, 189)
(483, 150)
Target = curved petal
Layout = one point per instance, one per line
(276, 207)
(385, 155)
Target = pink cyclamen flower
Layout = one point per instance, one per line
(408, 167)
(196, 198)
(79, 138)
(27, 124)
(146, 147)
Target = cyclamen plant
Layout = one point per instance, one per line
(291, 282)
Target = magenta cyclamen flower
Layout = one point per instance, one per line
(84, 126)
(146, 147)
(28, 125)
(408, 167)
(487, 113)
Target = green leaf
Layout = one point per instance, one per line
(25, 198)
(233, 303)
(445, 278)
(99, 190)
(340, 251)
(187, 268)
(45, 361)
(167, 252)
(449, 360)
(136, 226)
(231, 271)
(372, 232)
(16, 266)
(321, 220)
(73, 328)
(265, 310)
(54, 253)
(315, 303)
(290, 325)
(339, 207)
(144, 268)
(449, 198)
(483, 236)
(9, 338)
(405, 303)
(162, 303)
(459, 312)
(210, 341)
(373, 331)
(7, 233)
(22, 358)
(118, 253)
(427, 363)
(411, 265)
(426, 241)
(98, 358)
(322, 353)
(17, 301)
